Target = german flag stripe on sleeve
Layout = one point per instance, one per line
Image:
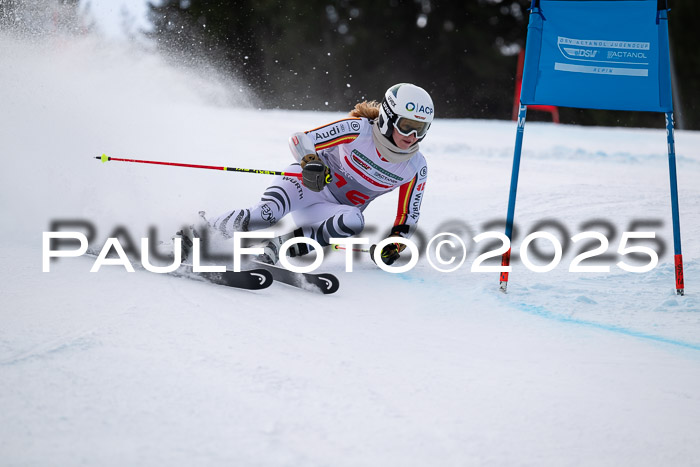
(405, 192)
(339, 132)
(339, 140)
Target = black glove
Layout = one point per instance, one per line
(186, 234)
(314, 173)
(390, 253)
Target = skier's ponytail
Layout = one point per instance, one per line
(369, 110)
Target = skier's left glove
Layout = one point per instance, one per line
(389, 254)
(314, 173)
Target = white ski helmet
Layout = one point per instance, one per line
(407, 108)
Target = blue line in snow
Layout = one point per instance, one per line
(543, 312)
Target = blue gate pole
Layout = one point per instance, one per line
(678, 256)
(505, 260)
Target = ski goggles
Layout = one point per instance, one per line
(406, 126)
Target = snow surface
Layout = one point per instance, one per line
(421, 368)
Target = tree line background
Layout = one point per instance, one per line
(330, 54)
(322, 54)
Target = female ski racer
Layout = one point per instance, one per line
(345, 165)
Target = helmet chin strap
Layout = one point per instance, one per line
(388, 150)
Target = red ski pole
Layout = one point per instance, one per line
(340, 247)
(106, 158)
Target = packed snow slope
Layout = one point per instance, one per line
(413, 369)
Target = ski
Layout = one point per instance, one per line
(259, 276)
(250, 279)
(319, 282)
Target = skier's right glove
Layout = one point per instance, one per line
(186, 236)
(314, 173)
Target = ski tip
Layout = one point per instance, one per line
(263, 277)
(327, 283)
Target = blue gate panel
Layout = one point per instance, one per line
(598, 54)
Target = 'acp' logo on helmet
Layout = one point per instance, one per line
(410, 106)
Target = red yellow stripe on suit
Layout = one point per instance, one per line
(334, 142)
(405, 194)
(327, 133)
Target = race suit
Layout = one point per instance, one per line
(360, 174)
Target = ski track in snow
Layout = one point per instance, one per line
(421, 368)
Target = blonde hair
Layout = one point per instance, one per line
(366, 109)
